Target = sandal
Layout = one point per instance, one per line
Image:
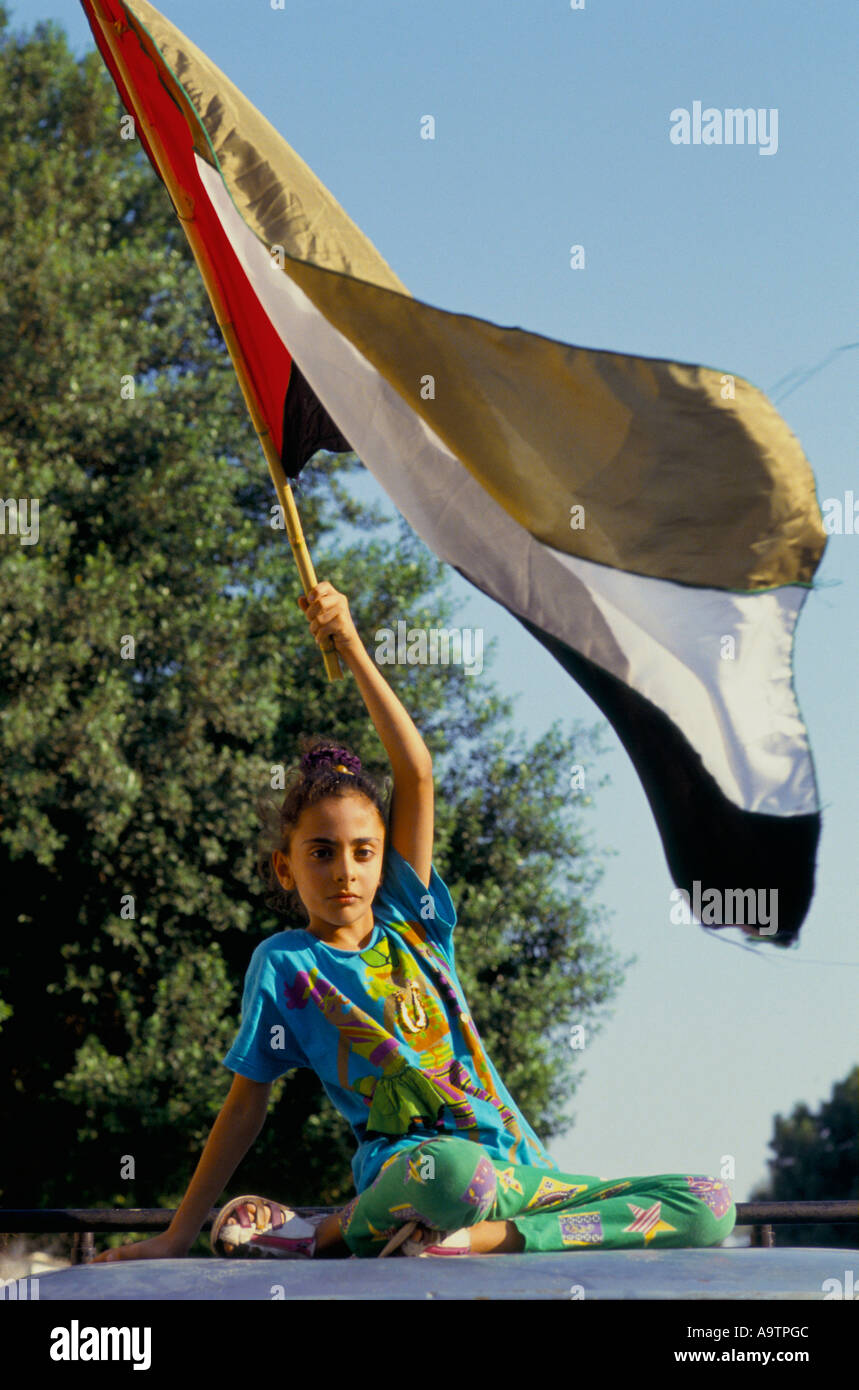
(433, 1242)
(414, 1239)
(397, 1239)
(247, 1226)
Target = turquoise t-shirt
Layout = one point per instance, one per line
(386, 1029)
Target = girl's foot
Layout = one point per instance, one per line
(256, 1226)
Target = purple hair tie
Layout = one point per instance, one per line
(330, 756)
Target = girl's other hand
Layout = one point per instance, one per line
(160, 1247)
(328, 614)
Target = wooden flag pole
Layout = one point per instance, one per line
(184, 205)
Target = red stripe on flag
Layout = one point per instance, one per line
(267, 360)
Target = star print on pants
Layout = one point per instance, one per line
(647, 1222)
(509, 1182)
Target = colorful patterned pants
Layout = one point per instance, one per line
(449, 1183)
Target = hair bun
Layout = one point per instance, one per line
(326, 756)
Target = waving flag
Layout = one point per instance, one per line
(652, 523)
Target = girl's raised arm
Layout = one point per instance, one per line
(412, 807)
(412, 822)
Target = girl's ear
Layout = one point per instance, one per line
(282, 870)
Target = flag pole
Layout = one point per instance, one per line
(184, 206)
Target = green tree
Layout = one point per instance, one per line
(817, 1160)
(156, 666)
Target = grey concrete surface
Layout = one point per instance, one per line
(732, 1273)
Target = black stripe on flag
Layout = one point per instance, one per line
(707, 839)
(307, 426)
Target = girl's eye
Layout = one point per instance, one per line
(362, 852)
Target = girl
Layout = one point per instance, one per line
(368, 997)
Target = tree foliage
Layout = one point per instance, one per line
(816, 1159)
(156, 666)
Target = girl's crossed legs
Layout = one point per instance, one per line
(448, 1184)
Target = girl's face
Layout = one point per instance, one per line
(336, 847)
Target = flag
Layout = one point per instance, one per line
(652, 523)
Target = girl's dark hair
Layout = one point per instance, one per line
(307, 783)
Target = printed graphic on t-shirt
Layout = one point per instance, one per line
(386, 1029)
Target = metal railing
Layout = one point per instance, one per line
(86, 1222)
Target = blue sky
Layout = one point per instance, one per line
(552, 129)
